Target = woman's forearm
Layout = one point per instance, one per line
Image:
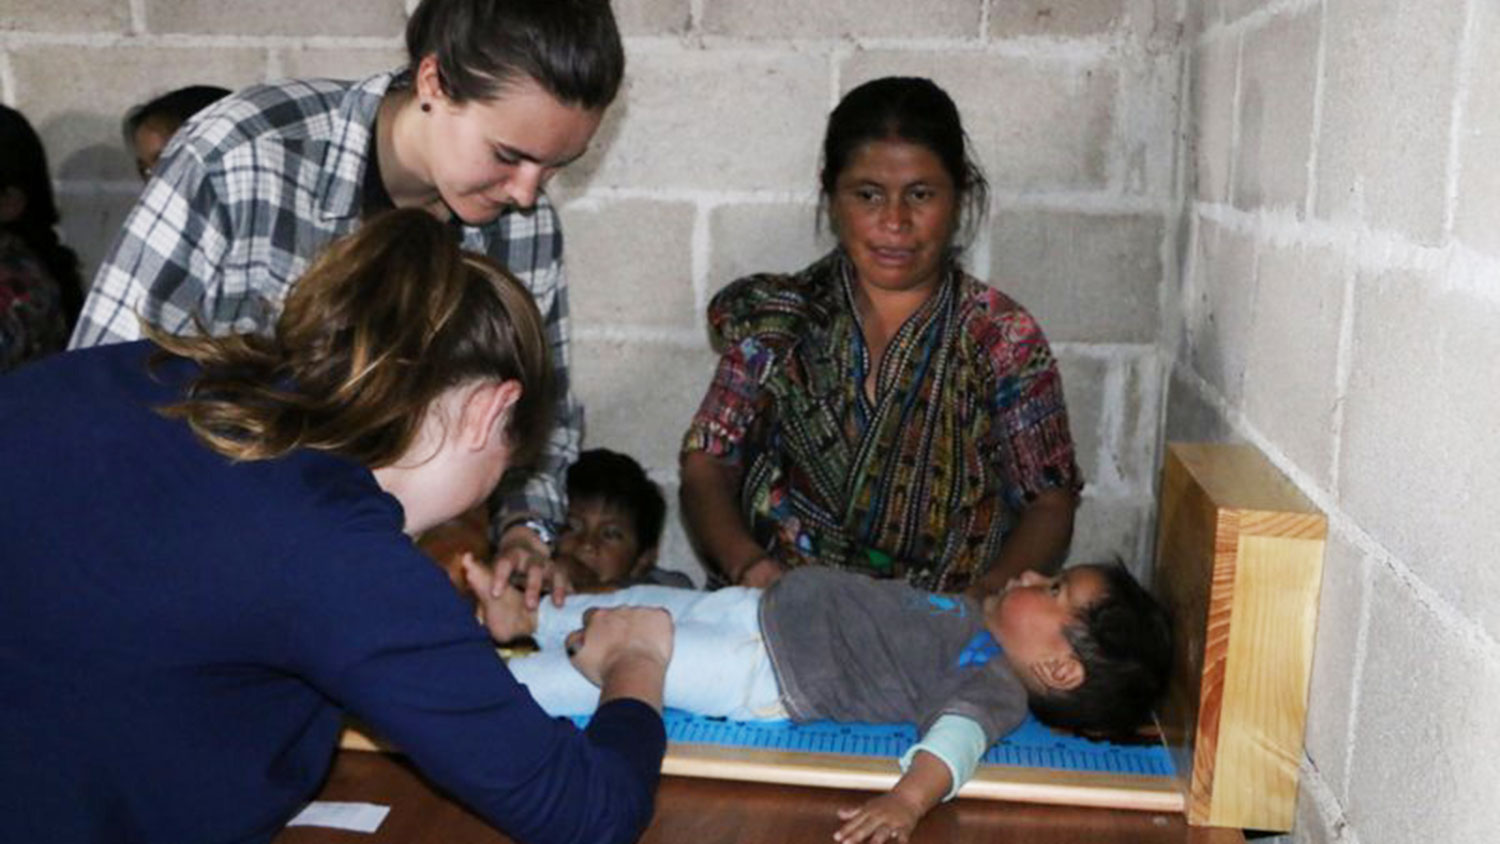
(637, 678)
(710, 509)
(1038, 541)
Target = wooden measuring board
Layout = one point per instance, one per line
(1032, 763)
(1239, 565)
(1239, 561)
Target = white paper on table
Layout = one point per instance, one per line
(358, 817)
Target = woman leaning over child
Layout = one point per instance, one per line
(497, 96)
(216, 544)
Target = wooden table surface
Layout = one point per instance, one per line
(699, 811)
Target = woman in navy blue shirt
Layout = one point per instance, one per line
(207, 562)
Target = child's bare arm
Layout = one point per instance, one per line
(892, 816)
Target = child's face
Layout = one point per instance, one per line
(1029, 617)
(601, 537)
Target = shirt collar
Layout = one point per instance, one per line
(342, 177)
(935, 304)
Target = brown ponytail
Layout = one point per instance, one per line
(381, 324)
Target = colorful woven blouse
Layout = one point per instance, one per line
(968, 424)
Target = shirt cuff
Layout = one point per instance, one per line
(955, 740)
(635, 730)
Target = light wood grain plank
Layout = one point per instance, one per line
(1239, 562)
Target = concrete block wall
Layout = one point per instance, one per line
(1276, 221)
(705, 169)
(1340, 288)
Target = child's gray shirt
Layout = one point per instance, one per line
(851, 648)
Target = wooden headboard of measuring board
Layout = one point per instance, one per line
(1239, 561)
(1239, 558)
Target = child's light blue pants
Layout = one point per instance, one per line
(720, 665)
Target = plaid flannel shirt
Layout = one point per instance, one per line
(251, 190)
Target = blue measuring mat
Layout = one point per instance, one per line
(1031, 745)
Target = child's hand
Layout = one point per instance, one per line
(501, 608)
(889, 817)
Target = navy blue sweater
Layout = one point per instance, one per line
(179, 636)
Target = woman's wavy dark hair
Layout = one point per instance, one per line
(911, 109)
(571, 48)
(379, 327)
(23, 165)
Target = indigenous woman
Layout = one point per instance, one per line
(882, 410)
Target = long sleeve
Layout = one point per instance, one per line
(248, 193)
(543, 490)
(405, 657)
(957, 742)
(160, 269)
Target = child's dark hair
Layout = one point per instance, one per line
(173, 108)
(620, 482)
(1124, 641)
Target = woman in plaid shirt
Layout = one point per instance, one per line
(497, 97)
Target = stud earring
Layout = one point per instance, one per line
(427, 107)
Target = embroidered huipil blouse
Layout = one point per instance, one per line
(966, 427)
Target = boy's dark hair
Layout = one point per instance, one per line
(620, 482)
(1124, 641)
(174, 106)
(571, 48)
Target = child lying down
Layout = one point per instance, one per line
(1088, 650)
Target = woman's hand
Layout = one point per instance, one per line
(500, 607)
(524, 554)
(889, 817)
(624, 651)
(761, 573)
(1039, 540)
(711, 513)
